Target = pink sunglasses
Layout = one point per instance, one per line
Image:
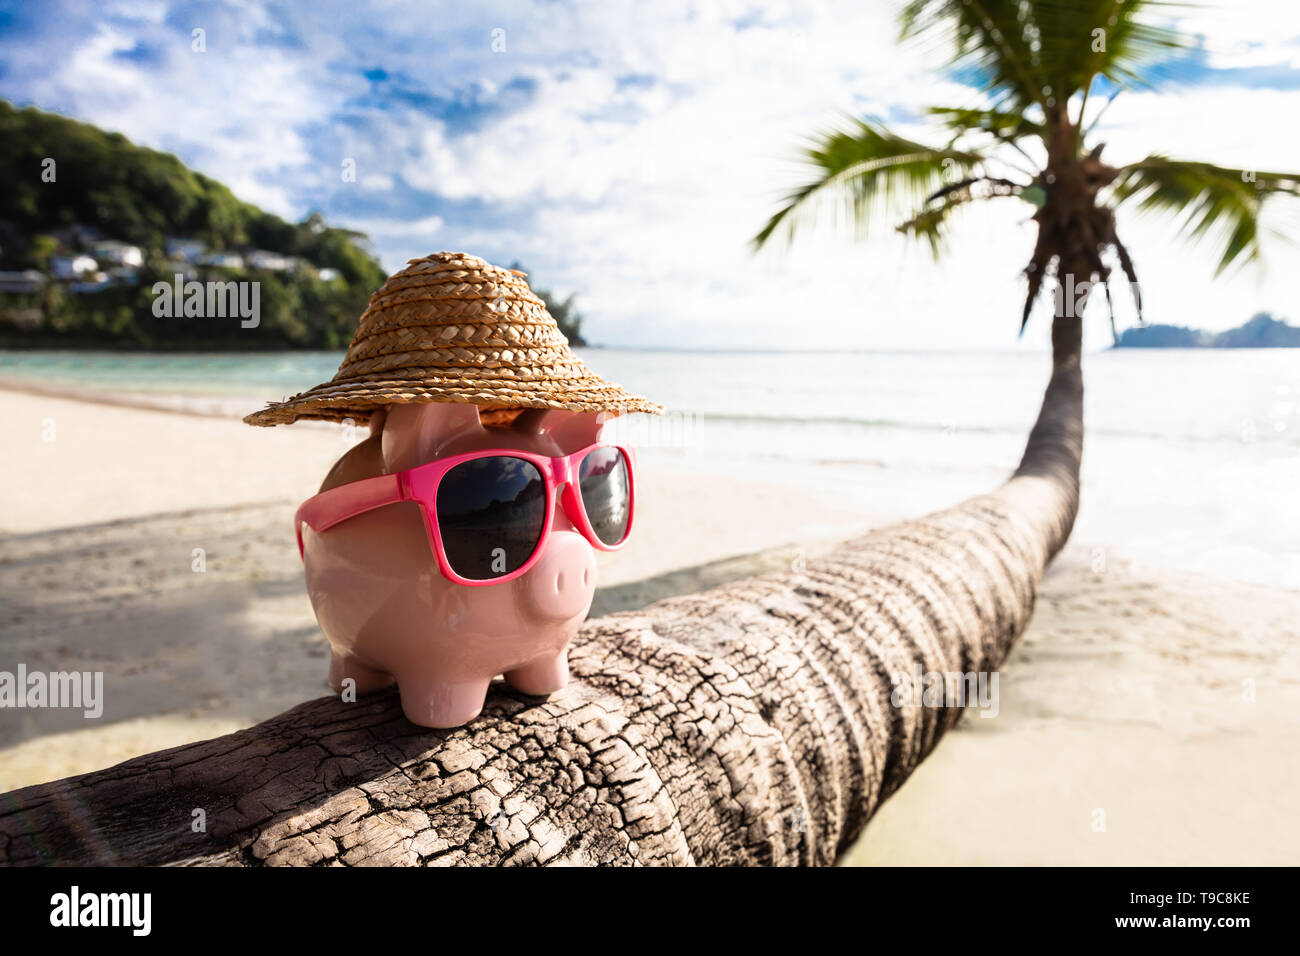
(489, 514)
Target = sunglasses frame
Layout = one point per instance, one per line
(420, 485)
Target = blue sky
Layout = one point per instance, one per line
(627, 152)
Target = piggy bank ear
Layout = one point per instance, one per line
(363, 460)
(415, 434)
(570, 430)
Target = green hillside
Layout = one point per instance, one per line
(101, 187)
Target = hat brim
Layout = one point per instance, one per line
(357, 399)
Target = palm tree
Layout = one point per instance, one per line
(756, 722)
(1039, 64)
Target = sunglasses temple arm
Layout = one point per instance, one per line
(339, 504)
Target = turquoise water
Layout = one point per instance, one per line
(835, 404)
(198, 373)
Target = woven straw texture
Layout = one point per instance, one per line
(453, 328)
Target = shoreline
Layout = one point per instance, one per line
(178, 403)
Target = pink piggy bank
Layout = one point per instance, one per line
(429, 577)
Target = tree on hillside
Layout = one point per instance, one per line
(564, 311)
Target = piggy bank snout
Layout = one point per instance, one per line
(561, 585)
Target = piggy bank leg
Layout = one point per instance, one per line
(367, 678)
(543, 676)
(435, 703)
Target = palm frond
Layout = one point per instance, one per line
(1038, 51)
(1213, 202)
(869, 169)
(1003, 125)
(988, 38)
(1121, 40)
(929, 224)
(932, 222)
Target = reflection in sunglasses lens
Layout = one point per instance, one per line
(491, 512)
(603, 481)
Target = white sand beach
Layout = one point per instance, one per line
(1150, 695)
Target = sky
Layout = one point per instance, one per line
(628, 152)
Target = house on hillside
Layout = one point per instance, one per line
(114, 253)
(222, 260)
(186, 250)
(270, 261)
(72, 267)
(29, 280)
(92, 282)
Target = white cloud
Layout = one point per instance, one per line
(398, 228)
(1246, 34)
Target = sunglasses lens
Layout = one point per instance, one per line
(606, 493)
(491, 512)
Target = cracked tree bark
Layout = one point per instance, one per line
(750, 724)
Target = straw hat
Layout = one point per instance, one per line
(453, 328)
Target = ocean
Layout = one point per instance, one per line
(1192, 457)
(839, 401)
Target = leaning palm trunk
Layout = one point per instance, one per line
(750, 724)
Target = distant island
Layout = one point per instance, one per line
(1261, 332)
(92, 226)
